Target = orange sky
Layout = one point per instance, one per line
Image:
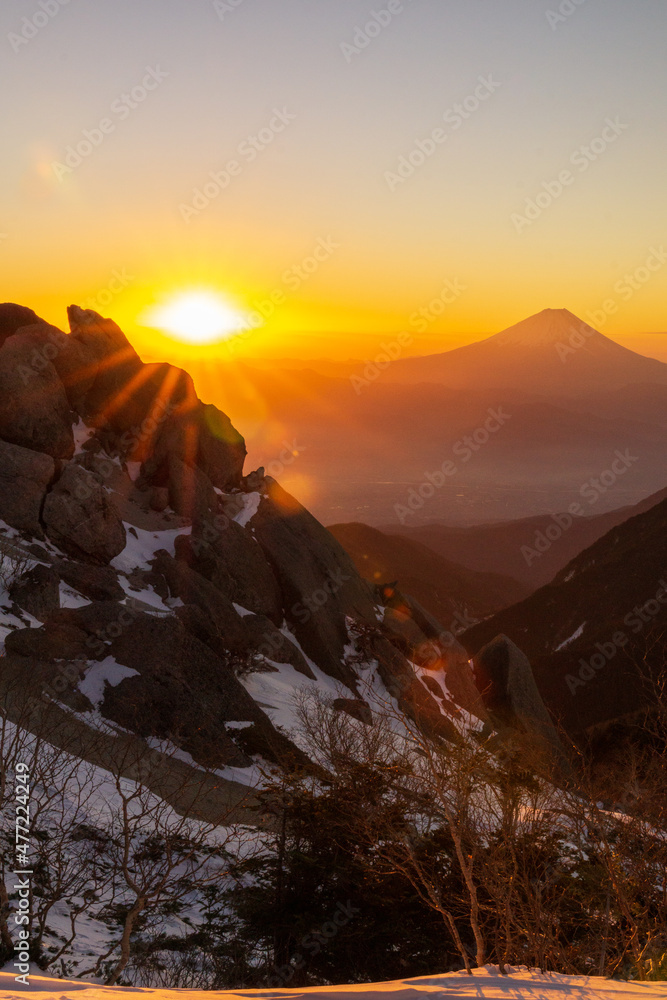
(332, 197)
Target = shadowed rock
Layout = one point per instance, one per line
(13, 317)
(317, 578)
(504, 677)
(99, 583)
(24, 478)
(81, 519)
(34, 410)
(227, 555)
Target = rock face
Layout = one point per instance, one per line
(433, 648)
(505, 679)
(220, 550)
(199, 436)
(24, 478)
(189, 490)
(99, 583)
(13, 317)
(231, 575)
(34, 410)
(98, 367)
(81, 519)
(318, 582)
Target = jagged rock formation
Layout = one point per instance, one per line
(119, 481)
(165, 579)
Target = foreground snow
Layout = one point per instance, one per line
(486, 984)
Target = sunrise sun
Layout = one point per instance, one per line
(197, 317)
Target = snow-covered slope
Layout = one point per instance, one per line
(485, 984)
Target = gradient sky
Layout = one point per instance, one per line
(324, 176)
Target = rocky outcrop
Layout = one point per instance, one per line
(98, 367)
(34, 410)
(200, 436)
(319, 585)
(430, 646)
(13, 317)
(98, 583)
(189, 490)
(220, 550)
(24, 478)
(356, 708)
(212, 617)
(505, 679)
(81, 519)
(253, 581)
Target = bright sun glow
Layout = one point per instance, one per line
(195, 318)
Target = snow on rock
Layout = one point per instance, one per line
(575, 635)
(242, 612)
(142, 546)
(133, 470)
(485, 984)
(250, 507)
(81, 433)
(100, 674)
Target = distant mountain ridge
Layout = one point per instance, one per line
(551, 352)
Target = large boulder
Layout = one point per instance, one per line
(317, 578)
(212, 617)
(98, 583)
(504, 677)
(70, 634)
(13, 317)
(227, 555)
(24, 478)
(199, 435)
(190, 491)
(186, 693)
(194, 589)
(101, 365)
(152, 408)
(80, 517)
(34, 410)
(37, 591)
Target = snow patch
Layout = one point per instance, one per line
(250, 507)
(243, 612)
(142, 545)
(575, 635)
(99, 674)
